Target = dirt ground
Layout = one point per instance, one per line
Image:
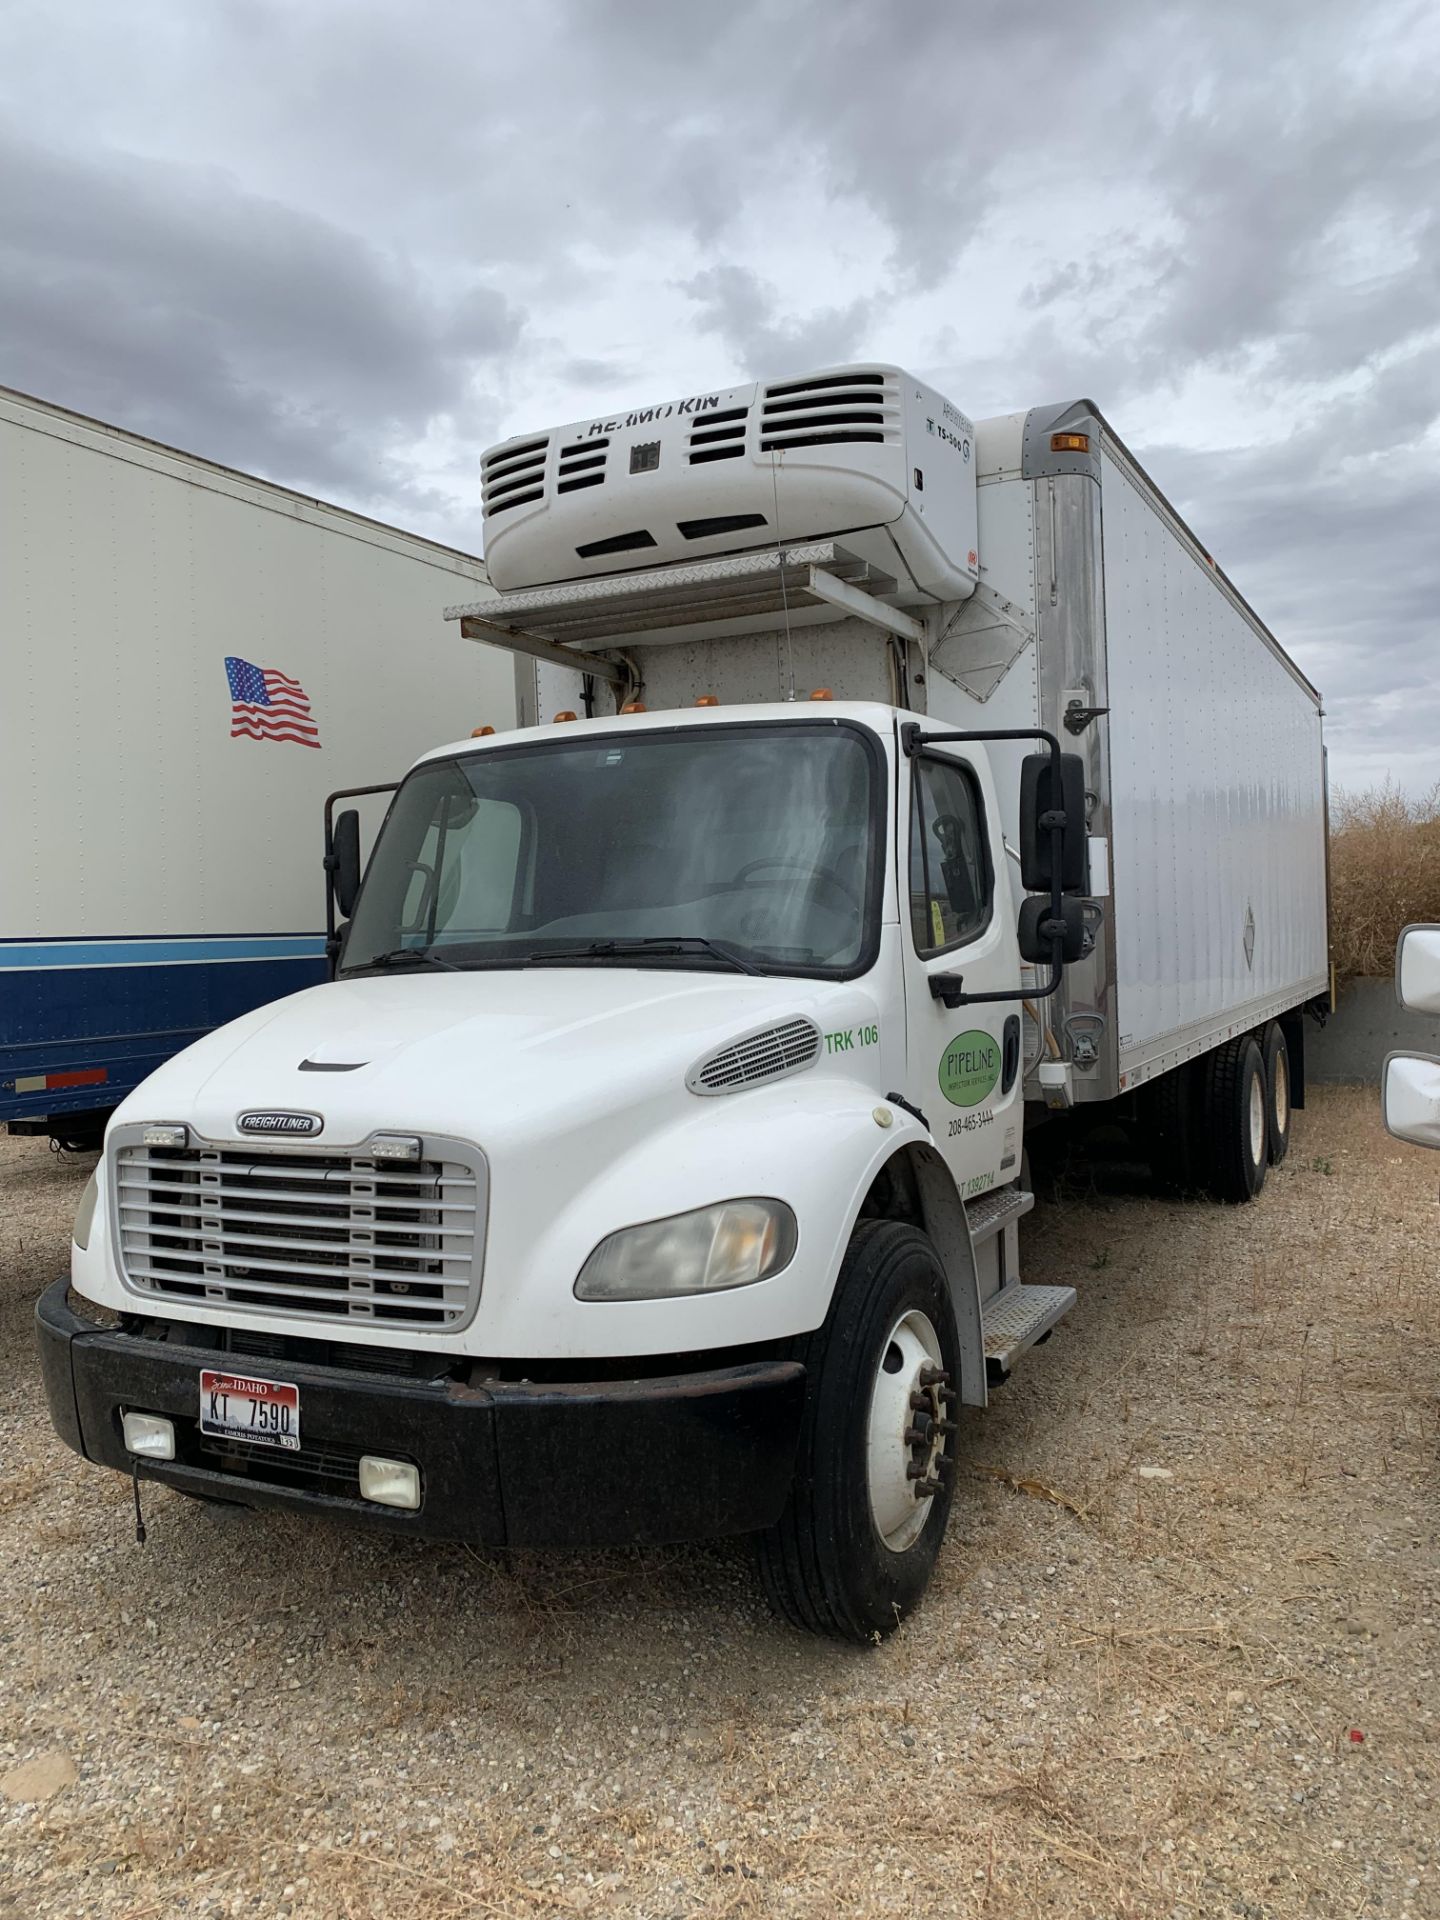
(1210, 1690)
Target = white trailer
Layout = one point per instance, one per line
(193, 658)
(884, 784)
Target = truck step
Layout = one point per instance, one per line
(1016, 1318)
(992, 1211)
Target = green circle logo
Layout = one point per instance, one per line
(969, 1068)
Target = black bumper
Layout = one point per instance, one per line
(520, 1464)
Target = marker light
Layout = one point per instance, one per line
(707, 1251)
(822, 693)
(481, 733)
(85, 1214)
(389, 1483)
(633, 706)
(395, 1146)
(564, 714)
(148, 1435)
(164, 1136)
(1069, 443)
(707, 700)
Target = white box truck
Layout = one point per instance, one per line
(193, 658)
(651, 1168)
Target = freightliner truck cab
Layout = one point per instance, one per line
(650, 1168)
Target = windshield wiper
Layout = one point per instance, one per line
(400, 956)
(642, 944)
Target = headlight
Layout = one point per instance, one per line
(729, 1245)
(85, 1213)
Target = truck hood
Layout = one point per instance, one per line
(463, 1053)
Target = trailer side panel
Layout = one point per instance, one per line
(1217, 797)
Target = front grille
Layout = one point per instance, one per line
(832, 410)
(335, 1236)
(767, 1055)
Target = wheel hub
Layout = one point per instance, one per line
(908, 1439)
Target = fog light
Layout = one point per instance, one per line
(149, 1436)
(389, 1483)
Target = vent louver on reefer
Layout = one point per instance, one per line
(718, 436)
(767, 1054)
(830, 410)
(514, 475)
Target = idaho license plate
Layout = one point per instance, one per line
(237, 1406)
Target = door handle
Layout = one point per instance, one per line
(1010, 1052)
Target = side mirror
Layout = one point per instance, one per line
(1038, 928)
(1038, 803)
(1417, 969)
(1410, 1097)
(344, 862)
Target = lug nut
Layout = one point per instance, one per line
(933, 1376)
(927, 1487)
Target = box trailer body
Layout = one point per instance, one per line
(660, 1141)
(1100, 618)
(158, 861)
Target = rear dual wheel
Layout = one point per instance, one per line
(1237, 1108)
(1215, 1124)
(874, 1474)
(1277, 1088)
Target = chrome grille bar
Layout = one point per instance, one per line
(301, 1231)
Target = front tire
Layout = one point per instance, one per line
(854, 1549)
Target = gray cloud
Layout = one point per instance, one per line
(740, 308)
(177, 304)
(321, 243)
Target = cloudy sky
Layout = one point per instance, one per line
(348, 243)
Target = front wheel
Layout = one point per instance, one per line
(854, 1549)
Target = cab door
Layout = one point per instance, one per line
(963, 1062)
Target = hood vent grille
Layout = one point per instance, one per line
(513, 476)
(769, 1054)
(830, 411)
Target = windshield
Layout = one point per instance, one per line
(752, 847)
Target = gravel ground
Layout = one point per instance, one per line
(1204, 1691)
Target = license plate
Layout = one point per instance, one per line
(237, 1406)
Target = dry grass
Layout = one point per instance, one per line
(1384, 873)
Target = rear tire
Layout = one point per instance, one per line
(1277, 1090)
(1173, 1123)
(1236, 1107)
(854, 1549)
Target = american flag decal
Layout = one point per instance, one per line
(266, 705)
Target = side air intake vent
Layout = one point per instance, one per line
(830, 411)
(768, 1054)
(514, 475)
(718, 436)
(582, 465)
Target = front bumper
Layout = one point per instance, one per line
(502, 1463)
